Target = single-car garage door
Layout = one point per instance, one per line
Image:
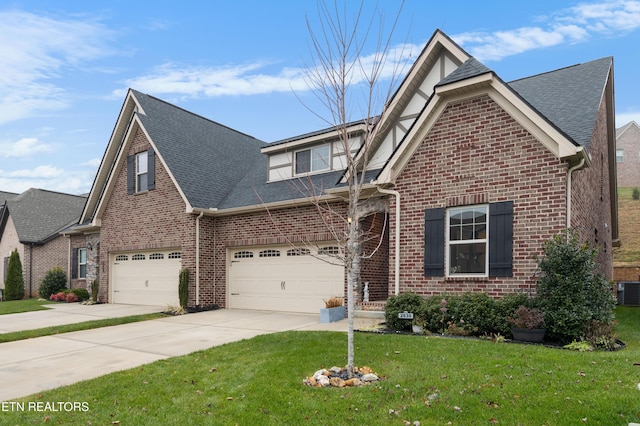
(281, 278)
(146, 278)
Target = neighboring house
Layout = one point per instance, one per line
(31, 223)
(628, 155)
(480, 173)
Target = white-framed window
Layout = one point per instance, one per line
(243, 254)
(298, 252)
(467, 241)
(175, 255)
(619, 155)
(82, 263)
(138, 257)
(269, 253)
(311, 160)
(142, 169)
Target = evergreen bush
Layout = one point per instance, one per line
(571, 292)
(14, 284)
(82, 293)
(54, 281)
(183, 287)
(635, 194)
(409, 302)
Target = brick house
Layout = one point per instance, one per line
(31, 222)
(628, 155)
(472, 174)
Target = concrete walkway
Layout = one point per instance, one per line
(33, 365)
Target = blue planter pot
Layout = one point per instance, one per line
(333, 314)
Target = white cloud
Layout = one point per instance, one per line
(40, 49)
(248, 79)
(47, 177)
(25, 147)
(623, 118)
(573, 25)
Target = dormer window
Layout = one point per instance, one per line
(311, 160)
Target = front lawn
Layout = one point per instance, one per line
(25, 305)
(431, 380)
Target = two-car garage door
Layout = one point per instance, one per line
(146, 278)
(282, 278)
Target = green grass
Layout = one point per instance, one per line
(25, 305)
(67, 328)
(432, 380)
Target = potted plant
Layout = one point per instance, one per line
(528, 324)
(333, 310)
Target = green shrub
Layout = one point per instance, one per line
(14, 284)
(94, 290)
(505, 308)
(635, 194)
(183, 287)
(409, 302)
(82, 293)
(54, 281)
(571, 291)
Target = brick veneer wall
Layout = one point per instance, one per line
(375, 268)
(147, 220)
(629, 170)
(626, 273)
(45, 257)
(477, 153)
(590, 200)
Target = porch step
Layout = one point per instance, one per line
(358, 313)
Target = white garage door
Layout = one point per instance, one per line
(146, 278)
(281, 278)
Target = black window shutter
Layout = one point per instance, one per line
(74, 263)
(434, 242)
(501, 239)
(131, 174)
(151, 169)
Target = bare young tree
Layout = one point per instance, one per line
(348, 83)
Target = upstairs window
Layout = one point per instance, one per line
(142, 168)
(141, 172)
(619, 155)
(315, 159)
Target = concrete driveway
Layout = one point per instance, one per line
(33, 365)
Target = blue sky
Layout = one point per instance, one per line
(66, 66)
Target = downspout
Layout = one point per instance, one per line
(198, 258)
(396, 274)
(30, 269)
(69, 262)
(569, 174)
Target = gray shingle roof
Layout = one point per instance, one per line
(569, 97)
(216, 166)
(471, 68)
(39, 215)
(206, 158)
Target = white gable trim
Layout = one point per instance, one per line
(114, 159)
(548, 135)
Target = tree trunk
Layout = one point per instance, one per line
(354, 258)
